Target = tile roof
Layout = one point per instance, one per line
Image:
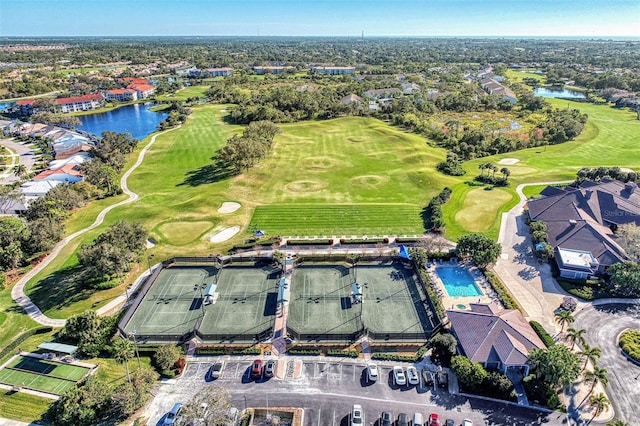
(503, 335)
(140, 87)
(83, 98)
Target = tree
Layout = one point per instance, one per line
(598, 375)
(557, 365)
(599, 403)
(575, 336)
(590, 354)
(9, 196)
(123, 352)
(481, 249)
(625, 278)
(103, 176)
(83, 405)
(629, 234)
(443, 347)
(563, 317)
(505, 173)
(13, 232)
(131, 395)
(616, 422)
(209, 407)
(89, 331)
(20, 170)
(166, 356)
(469, 373)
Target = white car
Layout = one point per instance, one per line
(412, 374)
(398, 376)
(467, 422)
(357, 416)
(372, 372)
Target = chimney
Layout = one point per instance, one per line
(587, 194)
(630, 187)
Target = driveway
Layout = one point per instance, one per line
(22, 154)
(603, 324)
(529, 281)
(327, 389)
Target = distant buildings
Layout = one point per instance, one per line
(493, 87)
(79, 103)
(332, 70)
(276, 70)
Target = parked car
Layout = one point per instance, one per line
(386, 419)
(170, 417)
(443, 379)
(449, 422)
(372, 372)
(270, 368)
(427, 376)
(418, 420)
(398, 376)
(467, 422)
(402, 420)
(215, 371)
(412, 374)
(256, 369)
(357, 416)
(434, 419)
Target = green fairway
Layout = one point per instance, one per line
(23, 406)
(184, 94)
(328, 220)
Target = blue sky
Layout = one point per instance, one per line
(592, 18)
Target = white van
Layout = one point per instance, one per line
(417, 420)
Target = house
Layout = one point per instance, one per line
(272, 70)
(26, 107)
(499, 339)
(133, 80)
(69, 173)
(214, 72)
(121, 95)
(36, 189)
(493, 87)
(379, 94)
(351, 99)
(143, 91)
(331, 70)
(75, 159)
(69, 144)
(79, 103)
(581, 223)
(410, 88)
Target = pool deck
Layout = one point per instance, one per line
(452, 302)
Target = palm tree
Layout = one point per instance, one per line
(590, 354)
(506, 173)
(616, 422)
(598, 375)
(564, 317)
(482, 166)
(20, 170)
(599, 403)
(123, 352)
(575, 336)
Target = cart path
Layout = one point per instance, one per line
(17, 292)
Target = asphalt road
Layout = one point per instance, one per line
(23, 155)
(327, 390)
(603, 324)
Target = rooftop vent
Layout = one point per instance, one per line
(630, 187)
(572, 222)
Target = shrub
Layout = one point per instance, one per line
(540, 393)
(542, 333)
(402, 358)
(435, 299)
(211, 351)
(505, 296)
(630, 344)
(166, 357)
(247, 351)
(342, 353)
(301, 351)
(309, 242)
(179, 365)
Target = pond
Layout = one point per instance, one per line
(555, 93)
(136, 119)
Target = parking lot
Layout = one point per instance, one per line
(327, 390)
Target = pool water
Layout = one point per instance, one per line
(458, 281)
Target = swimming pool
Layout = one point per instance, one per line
(458, 281)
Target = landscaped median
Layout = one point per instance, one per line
(629, 341)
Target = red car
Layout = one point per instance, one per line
(434, 419)
(256, 369)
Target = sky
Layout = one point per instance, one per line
(462, 18)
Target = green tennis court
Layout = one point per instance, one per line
(42, 375)
(394, 305)
(244, 304)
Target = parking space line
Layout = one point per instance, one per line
(319, 416)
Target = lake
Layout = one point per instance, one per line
(136, 119)
(555, 93)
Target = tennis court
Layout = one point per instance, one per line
(173, 308)
(43, 375)
(321, 301)
(394, 305)
(173, 304)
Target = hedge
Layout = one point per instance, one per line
(630, 344)
(342, 353)
(435, 299)
(542, 333)
(407, 240)
(21, 338)
(310, 242)
(211, 351)
(364, 241)
(403, 358)
(295, 351)
(247, 351)
(503, 294)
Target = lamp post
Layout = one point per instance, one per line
(149, 261)
(135, 345)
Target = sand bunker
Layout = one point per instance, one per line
(225, 234)
(229, 207)
(508, 161)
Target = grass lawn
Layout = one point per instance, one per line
(13, 320)
(478, 208)
(23, 407)
(518, 76)
(184, 94)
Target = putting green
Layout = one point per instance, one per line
(480, 208)
(180, 233)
